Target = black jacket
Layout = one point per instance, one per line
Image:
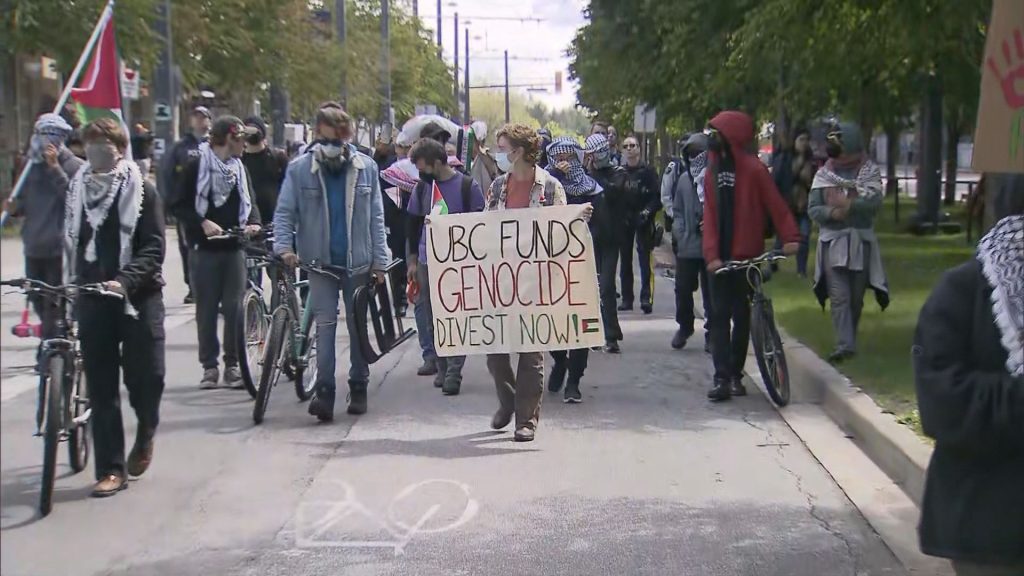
(642, 189)
(611, 223)
(973, 507)
(183, 206)
(142, 277)
(266, 170)
(173, 164)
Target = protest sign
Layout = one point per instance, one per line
(999, 137)
(513, 281)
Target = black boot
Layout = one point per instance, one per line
(557, 377)
(720, 392)
(356, 398)
(322, 404)
(736, 387)
(679, 340)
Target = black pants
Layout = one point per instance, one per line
(47, 270)
(629, 240)
(184, 250)
(219, 280)
(111, 342)
(689, 273)
(607, 259)
(730, 324)
(577, 361)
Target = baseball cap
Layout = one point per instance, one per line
(258, 123)
(202, 111)
(228, 125)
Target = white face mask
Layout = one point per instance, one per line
(504, 164)
(331, 150)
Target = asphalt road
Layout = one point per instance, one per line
(645, 477)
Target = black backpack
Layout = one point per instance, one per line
(467, 190)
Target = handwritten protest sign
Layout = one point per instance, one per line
(513, 281)
(999, 137)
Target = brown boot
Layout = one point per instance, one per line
(109, 485)
(141, 455)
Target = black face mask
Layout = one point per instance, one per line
(833, 149)
(254, 139)
(427, 179)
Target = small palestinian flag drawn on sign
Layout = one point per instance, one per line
(590, 325)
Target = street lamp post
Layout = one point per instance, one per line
(467, 116)
(508, 112)
(339, 21)
(385, 61)
(455, 36)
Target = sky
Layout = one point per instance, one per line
(536, 49)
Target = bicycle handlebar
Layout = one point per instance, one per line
(63, 290)
(767, 257)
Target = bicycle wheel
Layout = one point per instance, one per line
(771, 358)
(51, 430)
(305, 373)
(251, 337)
(274, 354)
(78, 435)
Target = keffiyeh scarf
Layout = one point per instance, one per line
(49, 129)
(216, 181)
(1001, 253)
(576, 182)
(868, 182)
(697, 166)
(402, 174)
(93, 195)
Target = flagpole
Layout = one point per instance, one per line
(107, 13)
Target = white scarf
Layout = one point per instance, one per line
(93, 195)
(216, 181)
(1001, 253)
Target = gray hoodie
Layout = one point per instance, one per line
(42, 205)
(687, 209)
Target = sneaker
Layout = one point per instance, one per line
(647, 308)
(211, 376)
(428, 368)
(720, 392)
(625, 307)
(572, 392)
(322, 405)
(452, 385)
(557, 377)
(612, 347)
(233, 378)
(189, 299)
(736, 388)
(679, 340)
(524, 435)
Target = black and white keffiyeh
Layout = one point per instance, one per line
(868, 182)
(1001, 253)
(216, 181)
(93, 195)
(577, 182)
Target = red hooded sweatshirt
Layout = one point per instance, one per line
(755, 198)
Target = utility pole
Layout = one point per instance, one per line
(385, 63)
(163, 83)
(440, 51)
(415, 8)
(465, 47)
(339, 21)
(508, 111)
(456, 75)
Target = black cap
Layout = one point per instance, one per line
(202, 111)
(258, 123)
(228, 125)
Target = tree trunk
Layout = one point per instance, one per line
(892, 157)
(952, 139)
(928, 183)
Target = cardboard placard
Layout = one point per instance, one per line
(999, 136)
(513, 281)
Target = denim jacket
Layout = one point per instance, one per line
(302, 220)
(546, 191)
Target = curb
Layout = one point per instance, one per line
(894, 448)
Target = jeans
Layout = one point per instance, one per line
(450, 367)
(323, 294)
(607, 260)
(646, 257)
(424, 330)
(730, 324)
(111, 342)
(689, 273)
(219, 280)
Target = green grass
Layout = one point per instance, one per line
(882, 367)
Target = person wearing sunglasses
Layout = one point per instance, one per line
(739, 198)
(644, 197)
(215, 194)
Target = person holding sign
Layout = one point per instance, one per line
(524, 185)
(441, 190)
(331, 209)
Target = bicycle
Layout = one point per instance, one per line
(63, 411)
(291, 344)
(768, 350)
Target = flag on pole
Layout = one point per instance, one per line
(98, 92)
(439, 206)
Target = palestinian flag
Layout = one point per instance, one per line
(98, 91)
(591, 325)
(438, 207)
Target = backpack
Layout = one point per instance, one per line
(466, 190)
